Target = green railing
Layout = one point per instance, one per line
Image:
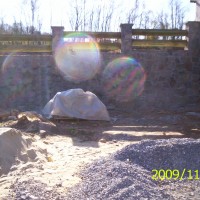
(144, 38)
(25, 43)
(161, 38)
(107, 41)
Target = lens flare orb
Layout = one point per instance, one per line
(16, 81)
(123, 79)
(77, 57)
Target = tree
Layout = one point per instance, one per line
(18, 28)
(107, 17)
(84, 15)
(162, 20)
(98, 18)
(35, 23)
(177, 14)
(75, 18)
(91, 20)
(133, 13)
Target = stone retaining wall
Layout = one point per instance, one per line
(27, 82)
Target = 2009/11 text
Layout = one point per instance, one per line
(175, 174)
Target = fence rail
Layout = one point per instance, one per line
(145, 38)
(25, 43)
(160, 32)
(101, 35)
(107, 41)
(160, 38)
(159, 43)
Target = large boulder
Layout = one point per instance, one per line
(75, 103)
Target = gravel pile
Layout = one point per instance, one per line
(128, 173)
(163, 154)
(33, 190)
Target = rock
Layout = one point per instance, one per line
(49, 189)
(32, 197)
(23, 197)
(191, 193)
(31, 116)
(49, 159)
(48, 127)
(22, 120)
(33, 127)
(86, 105)
(27, 124)
(103, 140)
(59, 184)
(43, 133)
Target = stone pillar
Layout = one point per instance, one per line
(126, 38)
(197, 9)
(57, 34)
(193, 38)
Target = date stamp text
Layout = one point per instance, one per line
(175, 174)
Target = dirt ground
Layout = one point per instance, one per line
(71, 144)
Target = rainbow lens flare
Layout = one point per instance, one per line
(77, 57)
(123, 79)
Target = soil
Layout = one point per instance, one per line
(71, 144)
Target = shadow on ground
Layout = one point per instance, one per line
(129, 127)
(122, 127)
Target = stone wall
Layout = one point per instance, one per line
(24, 81)
(28, 82)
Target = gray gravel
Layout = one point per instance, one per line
(127, 173)
(163, 154)
(33, 190)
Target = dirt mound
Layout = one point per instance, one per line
(17, 149)
(127, 174)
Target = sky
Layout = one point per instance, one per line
(56, 12)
